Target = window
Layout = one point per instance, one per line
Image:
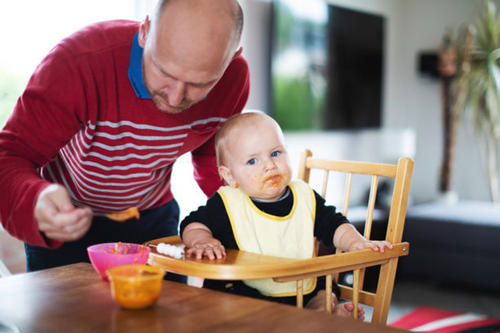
(30, 28)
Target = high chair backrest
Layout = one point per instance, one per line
(401, 174)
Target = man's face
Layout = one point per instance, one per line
(170, 88)
(257, 160)
(178, 70)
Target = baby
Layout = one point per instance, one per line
(261, 210)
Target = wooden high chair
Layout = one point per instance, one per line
(241, 265)
(401, 174)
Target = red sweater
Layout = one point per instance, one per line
(81, 124)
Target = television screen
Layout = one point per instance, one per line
(326, 66)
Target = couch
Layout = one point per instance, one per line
(453, 243)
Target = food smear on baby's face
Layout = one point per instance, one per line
(274, 180)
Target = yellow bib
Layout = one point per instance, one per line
(290, 236)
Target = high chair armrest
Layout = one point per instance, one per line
(341, 262)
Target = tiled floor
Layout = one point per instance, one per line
(410, 294)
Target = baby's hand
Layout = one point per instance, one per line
(371, 244)
(211, 248)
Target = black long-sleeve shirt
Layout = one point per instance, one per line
(215, 217)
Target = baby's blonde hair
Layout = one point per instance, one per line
(229, 125)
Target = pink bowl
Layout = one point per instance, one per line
(107, 255)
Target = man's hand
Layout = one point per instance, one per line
(57, 218)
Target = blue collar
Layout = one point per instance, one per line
(135, 70)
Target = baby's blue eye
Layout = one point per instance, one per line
(275, 153)
(252, 161)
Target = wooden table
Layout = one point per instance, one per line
(75, 299)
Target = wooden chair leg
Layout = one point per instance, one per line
(300, 294)
(328, 292)
(385, 287)
(355, 292)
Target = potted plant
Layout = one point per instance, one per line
(477, 88)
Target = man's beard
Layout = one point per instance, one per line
(160, 101)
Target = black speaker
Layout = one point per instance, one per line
(428, 64)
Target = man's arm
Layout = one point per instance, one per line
(205, 168)
(44, 120)
(233, 90)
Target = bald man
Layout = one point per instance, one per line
(103, 119)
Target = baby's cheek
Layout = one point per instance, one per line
(287, 176)
(257, 179)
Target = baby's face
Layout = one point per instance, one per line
(257, 160)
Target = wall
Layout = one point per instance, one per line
(425, 22)
(411, 102)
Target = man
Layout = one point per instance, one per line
(104, 117)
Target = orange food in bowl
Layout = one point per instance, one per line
(135, 286)
(107, 255)
(123, 216)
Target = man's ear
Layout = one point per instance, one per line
(225, 173)
(238, 52)
(144, 31)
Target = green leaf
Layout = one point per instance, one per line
(494, 67)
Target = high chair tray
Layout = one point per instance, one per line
(239, 265)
